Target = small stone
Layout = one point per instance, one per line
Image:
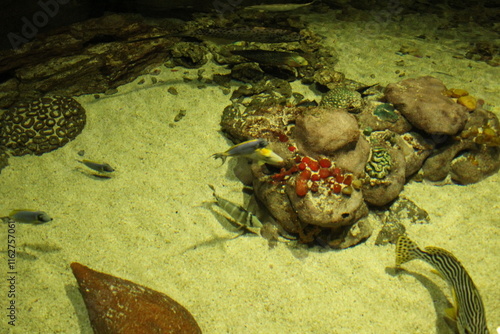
(180, 115)
(357, 184)
(468, 101)
(347, 190)
(172, 90)
(390, 232)
(405, 210)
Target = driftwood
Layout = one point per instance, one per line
(87, 57)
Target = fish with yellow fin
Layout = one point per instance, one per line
(254, 149)
(468, 309)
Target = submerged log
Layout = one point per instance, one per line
(83, 58)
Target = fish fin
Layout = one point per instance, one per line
(13, 212)
(406, 250)
(451, 313)
(221, 156)
(452, 323)
(437, 273)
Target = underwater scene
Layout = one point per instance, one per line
(237, 166)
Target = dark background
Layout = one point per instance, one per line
(15, 13)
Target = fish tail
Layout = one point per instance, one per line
(221, 156)
(406, 250)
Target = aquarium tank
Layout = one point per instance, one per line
(239, 166)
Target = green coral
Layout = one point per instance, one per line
(385, 112)
(344, 98)
(380, 163)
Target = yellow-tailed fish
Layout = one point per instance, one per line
(30, 216)
(468, 310)
(254, 149)
(238, 216)
(99, 167)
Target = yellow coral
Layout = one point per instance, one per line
(456, 92)
(468, 101)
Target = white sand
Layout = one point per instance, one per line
(145, 223)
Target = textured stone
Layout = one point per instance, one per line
(331, 211)
(116, 305)
(358, 232)
(353, 157)
(424, 105)
(325, 130)
(415, 150)
(472, 167)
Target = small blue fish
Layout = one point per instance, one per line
(30, 216)
(254, 149)
(98, 167)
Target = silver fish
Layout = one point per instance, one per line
(98, 167)
(30, 216)
(468, 310)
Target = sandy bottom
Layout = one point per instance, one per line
(149, 223)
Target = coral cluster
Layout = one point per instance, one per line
(338, 160)
(41, 125)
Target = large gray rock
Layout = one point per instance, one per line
(325, 130)
(422, 102)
